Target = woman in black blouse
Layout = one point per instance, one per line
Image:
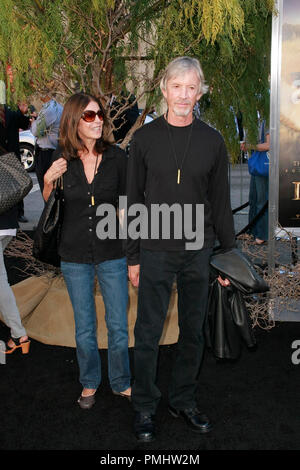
(94, 174)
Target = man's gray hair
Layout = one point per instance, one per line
(181, 65)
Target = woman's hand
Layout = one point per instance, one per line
(57, 169)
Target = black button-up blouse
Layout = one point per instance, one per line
(79, 241)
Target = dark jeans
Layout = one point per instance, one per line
(21, 208)
(42, 164)
(21, 203)
(157, 273)
(258, 195)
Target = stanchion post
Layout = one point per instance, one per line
(274, 131)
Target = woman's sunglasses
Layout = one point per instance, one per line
(90, 116)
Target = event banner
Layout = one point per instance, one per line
(289, 134)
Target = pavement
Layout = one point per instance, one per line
(33, 205)
(239, 192)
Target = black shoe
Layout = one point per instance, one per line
(22, 219)
(86, 403)
(199, 422)
(144, 426)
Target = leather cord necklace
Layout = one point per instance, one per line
(179, 169)
(93, 183)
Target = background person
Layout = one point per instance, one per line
(94, 173)
(46, 129)
(8, 305)
(10, 123)
(259, 190)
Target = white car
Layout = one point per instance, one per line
(27, 144)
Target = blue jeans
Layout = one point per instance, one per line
(112, 277)
(258, 195)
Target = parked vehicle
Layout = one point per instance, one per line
(27, 143)
(150, 117)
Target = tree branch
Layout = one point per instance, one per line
(39, 6)
(124, 26)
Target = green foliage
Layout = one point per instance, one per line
(24, 46)
(67, 45)
(233, 46)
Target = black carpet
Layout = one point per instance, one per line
(253, 402)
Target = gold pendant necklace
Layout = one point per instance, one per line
(179, 169)
(178, 176)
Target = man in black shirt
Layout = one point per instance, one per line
(181, 162)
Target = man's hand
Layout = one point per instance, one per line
(134, 274)
(224, 282)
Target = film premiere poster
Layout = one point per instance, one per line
(289, 159)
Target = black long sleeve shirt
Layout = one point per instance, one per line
(152, 179)
(79, 240)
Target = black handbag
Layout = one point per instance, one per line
(233, 265)
(15, 183)
(47, 234)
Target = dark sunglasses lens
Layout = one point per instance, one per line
(90, 116)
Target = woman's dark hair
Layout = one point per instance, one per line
(69, 139)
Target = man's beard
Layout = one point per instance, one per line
(183, 112)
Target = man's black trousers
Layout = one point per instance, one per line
(158, 270)
(42, 163)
